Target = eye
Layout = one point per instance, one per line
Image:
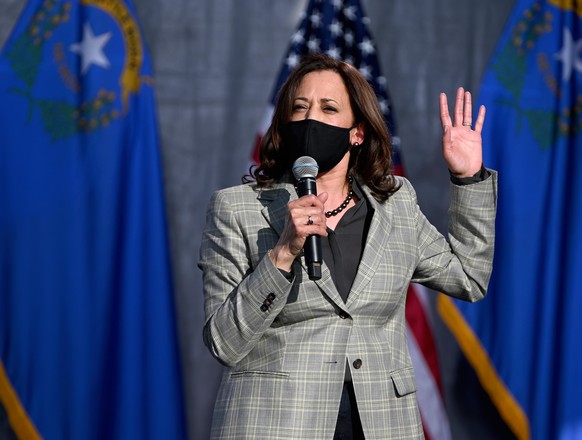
(299, 107)
(329, 108)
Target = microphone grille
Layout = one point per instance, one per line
(305, 166)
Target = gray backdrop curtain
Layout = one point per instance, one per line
(215, 64)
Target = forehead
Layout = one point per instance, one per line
(322, 84)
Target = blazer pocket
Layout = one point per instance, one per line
(403, 381)
(260, 373)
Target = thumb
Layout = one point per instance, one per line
(323, 197)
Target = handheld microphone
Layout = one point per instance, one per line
(305, 171)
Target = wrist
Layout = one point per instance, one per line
(281, 258)
(469, 173)
(479, 176)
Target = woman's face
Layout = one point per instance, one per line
(322, 96)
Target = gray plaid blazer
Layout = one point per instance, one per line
(286, 343)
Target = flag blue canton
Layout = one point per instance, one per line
(339, 28)
(529, 323)
(88, 342)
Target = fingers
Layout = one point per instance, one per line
(467, 110)
(307, 215)
(445, 115)
(463, 113)
(459, 100)
(310, 201)
(480, 119)
(315, 220)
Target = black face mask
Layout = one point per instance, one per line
(325, 143)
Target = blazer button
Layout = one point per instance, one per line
(264, 307)
(357, 364)
(343, 315)
(271, 296)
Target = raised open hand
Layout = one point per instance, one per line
(462, 145)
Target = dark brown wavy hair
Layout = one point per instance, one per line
(370, 163)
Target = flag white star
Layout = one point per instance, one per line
(313, 44)
(350, 13)
(292, 60)
(315, 19)
(569, 55)
(297, 37)
(337, 4)
(90, 49)
(366, 71)
(366, 46)
(335, 28)
(383, 105)
(333, 52)
(349, 37)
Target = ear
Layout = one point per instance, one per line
(357, 134)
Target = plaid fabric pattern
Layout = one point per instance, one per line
(285, 343)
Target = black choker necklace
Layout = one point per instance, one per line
(345, 203)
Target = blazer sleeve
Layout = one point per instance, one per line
(240, 301)
(460, 267)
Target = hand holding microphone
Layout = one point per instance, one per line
(305, 171)
(305, 222)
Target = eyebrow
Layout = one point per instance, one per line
(325, 100)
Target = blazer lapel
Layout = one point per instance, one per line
(274, 201)
(376, 242)
(274, 210)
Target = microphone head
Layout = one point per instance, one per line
(305, 166)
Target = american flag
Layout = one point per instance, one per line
(339, 28)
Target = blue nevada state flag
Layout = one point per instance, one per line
(88, 341)
(523, 340)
